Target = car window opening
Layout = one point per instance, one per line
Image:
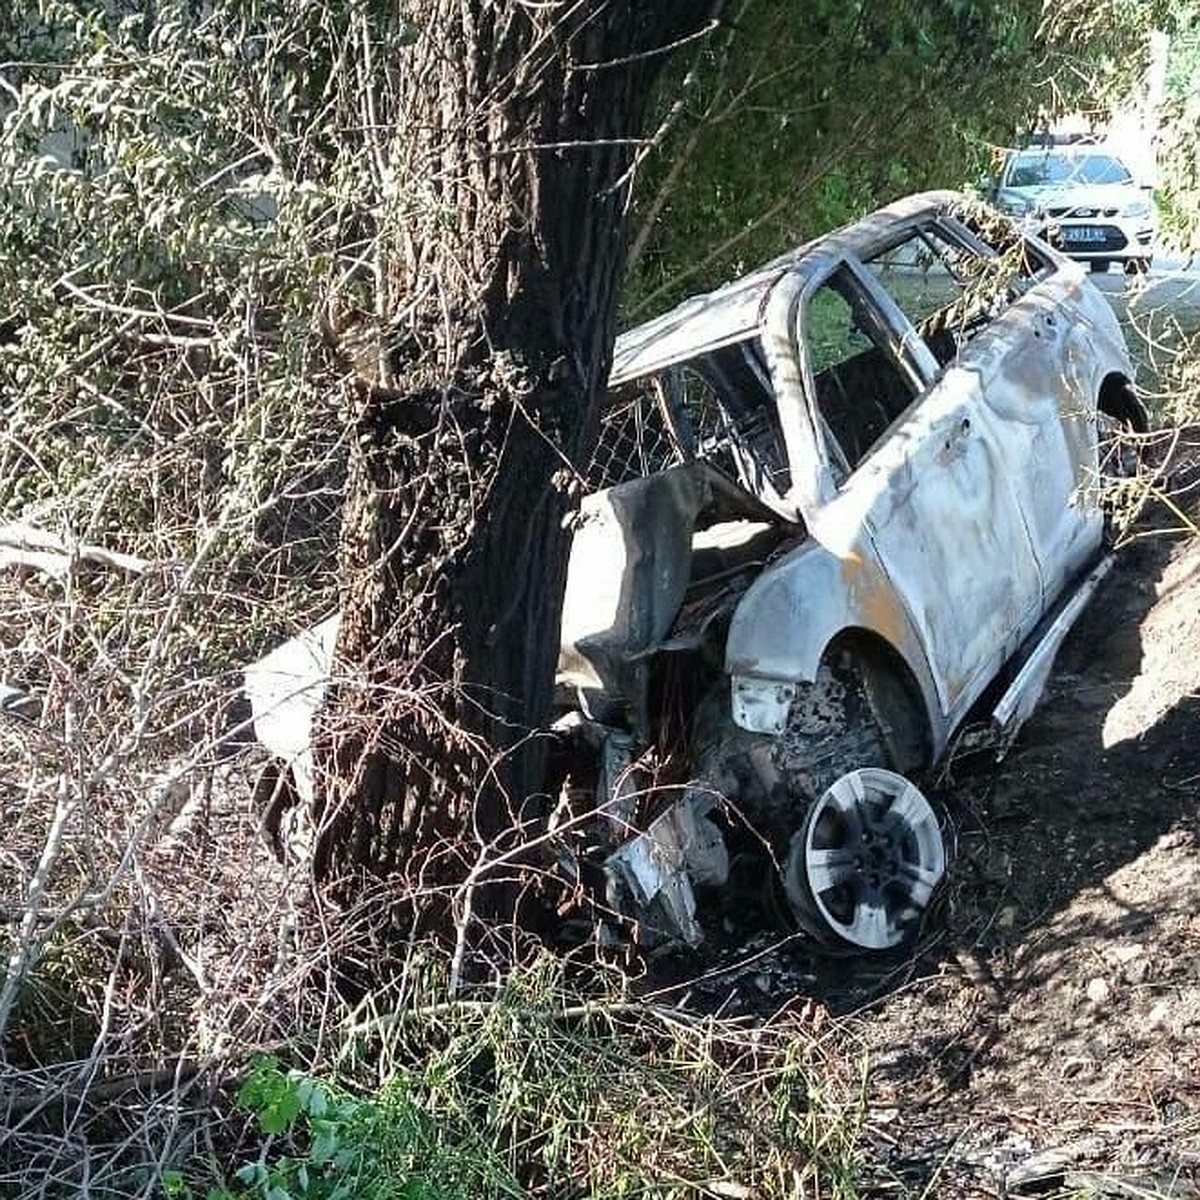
(951, 287)
(635, 439)
(725, 401)
(861, 388)
(718, 406)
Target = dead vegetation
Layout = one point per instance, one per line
(154, 944)
(149, 936)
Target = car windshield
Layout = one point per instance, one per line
(1039, 170)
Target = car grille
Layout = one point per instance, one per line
(1081, 212)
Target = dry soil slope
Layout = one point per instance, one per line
(1058, 1007)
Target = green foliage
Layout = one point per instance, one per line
(1183, 60)
(1179, 153)
(341, 1148)
(1098, 50)
(796, 118)
(184, 198)
(190, 195)
(545, 1093)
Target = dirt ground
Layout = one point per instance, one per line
(1044, 1039)
(1051, 1028)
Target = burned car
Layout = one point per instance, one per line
(833, 505)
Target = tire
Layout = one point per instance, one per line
(820, 795)
(845, 805)
(1099, 266)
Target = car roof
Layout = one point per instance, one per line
(734, 312)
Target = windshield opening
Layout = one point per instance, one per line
(1043, 170)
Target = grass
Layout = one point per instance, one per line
(544, 1090)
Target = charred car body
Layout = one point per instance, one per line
(832, 505)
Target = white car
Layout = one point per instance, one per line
(1083, 200)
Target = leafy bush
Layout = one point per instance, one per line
(348, 1149)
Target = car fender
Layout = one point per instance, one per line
(1097, 338)
(794, 611)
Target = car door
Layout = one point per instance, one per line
(1045, 431)
(917, 462)
(991, 308)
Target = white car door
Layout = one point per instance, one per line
(923, 468)
(1028, 370)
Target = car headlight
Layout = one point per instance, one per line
(1136, 208)
(1016, 207)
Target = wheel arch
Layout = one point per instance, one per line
(795, 611)
(1118, 398)
(901, 703)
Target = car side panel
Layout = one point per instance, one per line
(830, 584)
(1039, 369)
(950, 534)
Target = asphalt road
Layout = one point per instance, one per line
(1168, 297)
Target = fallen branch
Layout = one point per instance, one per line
(39, 550)
(226, 1066)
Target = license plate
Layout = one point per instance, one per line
(1082, 233)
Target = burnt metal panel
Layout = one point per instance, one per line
(630, 567)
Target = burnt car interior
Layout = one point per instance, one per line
(690, 472)
(691, 468)
(636, 438)
(726, 407)
(718, 407)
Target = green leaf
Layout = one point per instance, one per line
(252, 1174)
(326, 1140)
(278, 1114)
(173, 1185)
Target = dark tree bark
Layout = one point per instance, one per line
(520, 122)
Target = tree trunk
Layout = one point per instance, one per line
(517, 125)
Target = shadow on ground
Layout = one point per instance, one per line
(1054, 999)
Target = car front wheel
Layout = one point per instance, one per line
(865, 864)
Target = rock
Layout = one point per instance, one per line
(1098, 990)
(1044, 1170)
(1125, 952)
